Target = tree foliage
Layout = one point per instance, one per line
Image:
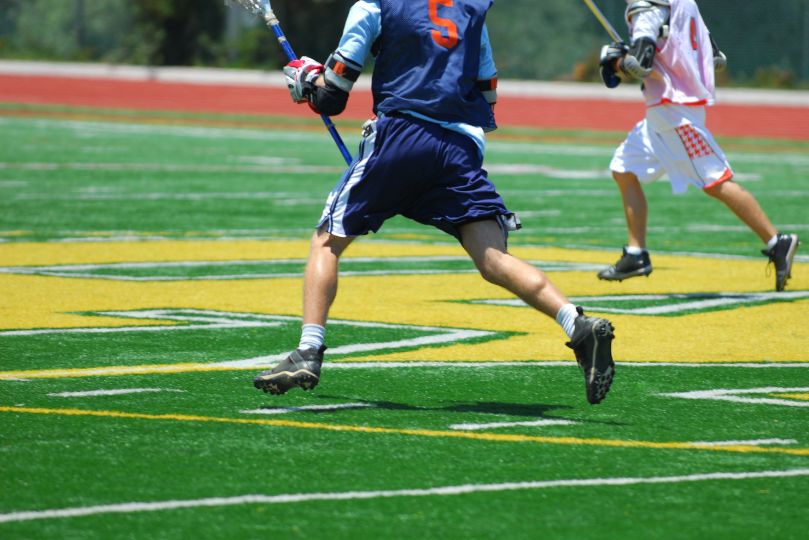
(766, 43)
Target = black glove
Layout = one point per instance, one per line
(610, 53)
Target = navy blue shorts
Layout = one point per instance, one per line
(420, 170)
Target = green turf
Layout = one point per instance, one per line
(157, 460)
(194, 181)
(80, 174)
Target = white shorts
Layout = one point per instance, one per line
(673, 140)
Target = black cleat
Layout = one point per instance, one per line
(592, 343)
(300, 368)
(628, 266)
(781, 256)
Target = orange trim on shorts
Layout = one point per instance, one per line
(727, 175)
(666, 101)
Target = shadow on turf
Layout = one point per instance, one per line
(537, 411)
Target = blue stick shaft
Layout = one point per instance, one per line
(272, 21)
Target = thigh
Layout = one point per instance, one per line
(694, 158)
(638, 155)
(481, 237)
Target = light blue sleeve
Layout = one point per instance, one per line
(487, 68)
(363, 27)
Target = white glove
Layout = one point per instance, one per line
(300, 76)
(720, 61)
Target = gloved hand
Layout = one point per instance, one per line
(720, 61)
(609, 54)
(300, 76)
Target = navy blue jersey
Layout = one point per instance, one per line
(429, 59)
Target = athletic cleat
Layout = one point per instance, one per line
(592, 343)
(300, 368)
(781, 256)
(628, 266)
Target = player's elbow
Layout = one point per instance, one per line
(329, 100)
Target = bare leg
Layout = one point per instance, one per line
(636, 209)
(484, 242)
(745, 206)
(320, 278)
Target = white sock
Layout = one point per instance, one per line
(634, 250)
(772, 242)
(312, 336)
(565, 318)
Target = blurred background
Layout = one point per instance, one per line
(767, 43)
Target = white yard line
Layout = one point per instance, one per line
(482, 365)
(529, 423)
(735, 395)
(753, 442)
(270, 360)
(304, 408)
(116, 392)
(441, 491)
(717, 300)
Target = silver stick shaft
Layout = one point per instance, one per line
(614, 35)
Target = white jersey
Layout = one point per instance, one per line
(683, 65)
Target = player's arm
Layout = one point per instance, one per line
(649, 22)
(487, 73)
(326, 87)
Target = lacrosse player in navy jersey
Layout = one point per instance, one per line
(672, 52)
(434, 89)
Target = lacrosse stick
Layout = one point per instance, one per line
(264, 9)
(614, 35)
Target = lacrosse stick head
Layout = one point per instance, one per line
(257, 7)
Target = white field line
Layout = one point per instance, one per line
(442, 491)
(271, 360)
(226, 277)
(116, 392)
(106, 130)
(91, 271)
(450, 336)
(304, 408)
(236, 262)
(532, 148)
(720, 299)
(511, 169)
(210, 320)
(735, 395)
(156, 167)
(218, 319)
(527, 423)
(484, 365)
(90, 129)
(753, 442)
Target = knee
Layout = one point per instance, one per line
(325, 242)
(722, 189)
(491, 266)
(624, 178)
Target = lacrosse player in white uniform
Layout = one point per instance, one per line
(671, 51)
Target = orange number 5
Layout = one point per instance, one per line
(451, 39)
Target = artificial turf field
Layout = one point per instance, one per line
(150, 265)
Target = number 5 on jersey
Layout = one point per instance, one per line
(450, 40)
